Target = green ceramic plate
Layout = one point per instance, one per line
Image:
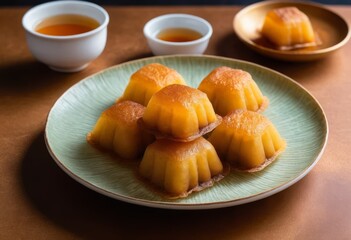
(296, 113)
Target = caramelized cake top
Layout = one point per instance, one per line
(126, 111)
(181, 95)
(289, 15)
(246, 122)
(181, 150)
(158, 74)
(227, 77)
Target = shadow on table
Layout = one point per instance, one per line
(26, 75)
(230, 46)
(35, 82)
(90, 215)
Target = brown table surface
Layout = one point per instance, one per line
(39, 201)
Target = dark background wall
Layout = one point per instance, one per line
(159, 2)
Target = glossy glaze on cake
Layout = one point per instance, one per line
(231, 89)
(180, 113)
(148, 80)
(178, 168)
(117, 130)
(247, 140)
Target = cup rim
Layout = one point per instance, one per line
(62, 2)
(205, 37)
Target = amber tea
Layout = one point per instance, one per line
(179, 35)
(66, 24)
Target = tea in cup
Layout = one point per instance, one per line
(66, 35)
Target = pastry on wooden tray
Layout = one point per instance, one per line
(117, 130)
(179, 113)
(148, 80)
(178, 168)
(288, 28)
(231, 89)
(247, 140)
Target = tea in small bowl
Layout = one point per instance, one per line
(178, 34)
(66, 24)
(66, 35)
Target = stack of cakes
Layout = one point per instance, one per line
(181, 160)
(183, 135)
(245, 138)
(162, 120)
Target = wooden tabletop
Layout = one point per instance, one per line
(39, 201)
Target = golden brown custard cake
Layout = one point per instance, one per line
(117, 130)
(247, 140)
(148, 80)
(288, 28)
(178, 168)
(180, 113)
(231, 89)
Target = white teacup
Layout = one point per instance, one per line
(69, 53)
(162, 47)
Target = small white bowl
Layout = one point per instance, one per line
(160, 23)
(66, 53)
